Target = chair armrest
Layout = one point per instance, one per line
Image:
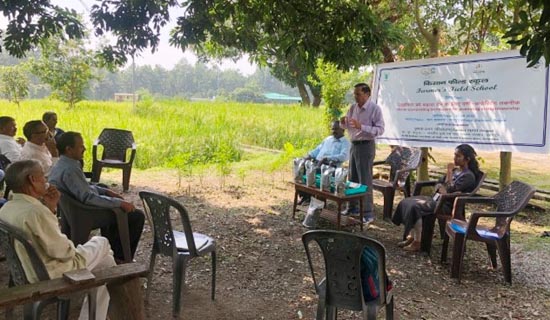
(398, 174)
(421, 184)
(132, 154)
(460, 204)
(499, 229)
(442, 199)
(83, 206)
(94, 152)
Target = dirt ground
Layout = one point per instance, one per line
(263, 271)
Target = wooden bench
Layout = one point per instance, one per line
(122, 280)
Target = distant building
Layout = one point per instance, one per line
(121, 97)
(281, 98)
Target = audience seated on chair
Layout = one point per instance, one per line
(40, 146)
(67, 176)
(32, 211)
(9, 145)
(50, 119)
(461, 177)
(334, 150)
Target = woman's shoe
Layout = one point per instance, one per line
(405, 242)
(413, 247)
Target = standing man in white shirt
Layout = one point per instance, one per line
(9, 145)
(40, 145)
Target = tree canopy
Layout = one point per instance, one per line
(288, 35)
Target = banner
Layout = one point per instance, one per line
(491, 101)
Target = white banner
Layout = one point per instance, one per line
(491, 101)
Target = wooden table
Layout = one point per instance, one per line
(331, 215)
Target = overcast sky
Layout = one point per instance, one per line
(165, 55)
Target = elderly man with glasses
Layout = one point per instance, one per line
(40, 145)
(32, 211)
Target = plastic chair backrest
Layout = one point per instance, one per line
(480, 179)
(342, 256)
(8, 237)
(513, 197)
(410, 163)
(115, 143)
(158, 208)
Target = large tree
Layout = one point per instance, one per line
(137, 24)
(286, 36)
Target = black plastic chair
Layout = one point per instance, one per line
(76, 222)
(428, 222)
(401, 167)
(115, 143)
(8, 237)
(180, 246)
(506, 203)
(341, 287)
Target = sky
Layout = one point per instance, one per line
(165, 55)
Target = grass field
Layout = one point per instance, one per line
(180, 133)
(188, 136)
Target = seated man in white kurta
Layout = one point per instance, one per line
(40, 145)
(32, 210)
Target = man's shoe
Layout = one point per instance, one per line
(368, 220)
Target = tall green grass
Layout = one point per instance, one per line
(174, 133)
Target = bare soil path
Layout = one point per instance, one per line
(263, 272)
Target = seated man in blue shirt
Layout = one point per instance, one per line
(334, 150)
(67, 176)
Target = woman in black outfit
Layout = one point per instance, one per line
(462, 176)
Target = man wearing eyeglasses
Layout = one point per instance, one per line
(40, 145)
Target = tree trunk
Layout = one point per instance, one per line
(126, 300)
(303, 93)
(422, 173)
(505, 174)
(388, 54)
(432, 37)
(316, 93)
(505, 177)
(316, 100)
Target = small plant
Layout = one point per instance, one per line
(181, 162)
